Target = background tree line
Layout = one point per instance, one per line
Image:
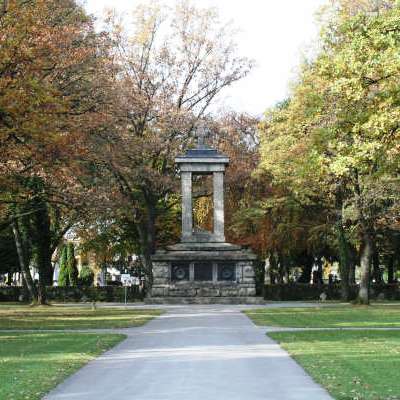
(331, 150)
(91, 120)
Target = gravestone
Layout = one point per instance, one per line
(203, 267)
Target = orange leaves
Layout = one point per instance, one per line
(53, 86)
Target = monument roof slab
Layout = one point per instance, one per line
(204, 155)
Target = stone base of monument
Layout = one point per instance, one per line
(203, 273)
(206, 300)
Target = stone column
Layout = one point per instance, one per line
(187, 212)
(218, 183)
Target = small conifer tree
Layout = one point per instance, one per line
(71, 265)
(63, 275)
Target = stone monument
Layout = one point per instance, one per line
(203, 268)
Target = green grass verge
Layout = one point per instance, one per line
(351, 365)
(31, 364)
(328, 317)
(54, 317)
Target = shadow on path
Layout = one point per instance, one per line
(193, 353)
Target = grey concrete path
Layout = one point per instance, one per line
(193, 353)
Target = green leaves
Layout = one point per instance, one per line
(343, 112)
(340, 126)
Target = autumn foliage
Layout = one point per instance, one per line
(92, 119)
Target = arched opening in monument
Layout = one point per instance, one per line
(202, 204)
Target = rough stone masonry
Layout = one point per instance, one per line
(203, 267)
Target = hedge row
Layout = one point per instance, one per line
(277, 292)
(302, 291)
(66, 294)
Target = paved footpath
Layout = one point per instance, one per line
(193, 353)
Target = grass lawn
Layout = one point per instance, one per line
(31, 364)
(351, 365)
(333, 317)
(54, 317)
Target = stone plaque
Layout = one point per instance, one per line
(226, 272)
(180, 272)
(203, 271)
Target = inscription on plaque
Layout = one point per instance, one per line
(226, 272)
(180, 272)
(203, 271)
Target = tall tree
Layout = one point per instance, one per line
(52, 97)
(169, 71)
(337, 138)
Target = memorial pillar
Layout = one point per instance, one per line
(218, 184)
(187, 212)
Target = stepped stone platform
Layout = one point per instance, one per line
(206, 300)
(203, 273)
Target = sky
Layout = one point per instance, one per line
(274, 33)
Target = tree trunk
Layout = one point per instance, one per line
(367, 245)
(352, 267)
(390, 268)
(26, 273)
(43, 242)
(377, 273)
(365, 261)
(287, 273)
(281, 269)
(344, 253)
(344, 263)
(320, 272)
(147, 236)
(42, 246)
(306, 271)
(273, 268)
(42, 297)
